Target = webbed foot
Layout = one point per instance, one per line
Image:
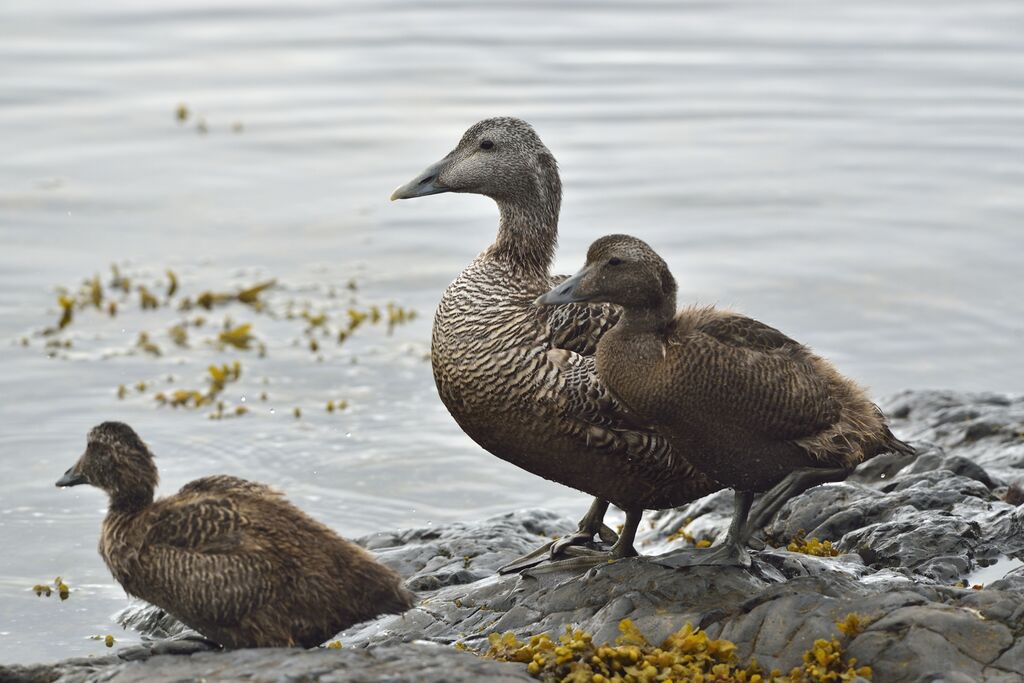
(731, 553)
(590, 526)
(727, 555)
(585, 557)
(184, 644)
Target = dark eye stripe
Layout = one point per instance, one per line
(486, 144)
(614, 261)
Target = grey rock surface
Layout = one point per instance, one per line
(426, 662)
(914, 535)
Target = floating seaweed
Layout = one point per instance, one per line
(147, 345)
(314, 321)
(334, 645)
(107, 640)
(356, 318)
(219, 376)
(96, 291)
(249, 296)
(181, 113)
(119, 281)
(67, 311)
(58, 585)
(172, 283)
(220, 413)
(398, 316)
(239, 336)
(179, 334)
(146, 299)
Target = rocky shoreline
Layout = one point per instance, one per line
(929, 556)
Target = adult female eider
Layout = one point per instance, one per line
(743, 402)
(520, 381)
(228, 557)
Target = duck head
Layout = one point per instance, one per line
(117, 461)
(620, 270)
(501, 158)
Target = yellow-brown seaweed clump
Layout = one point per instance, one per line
(811, 546)
(58, 584)
(852, 625)
(682, 534)
(686, 655)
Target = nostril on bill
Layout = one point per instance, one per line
(428, 179)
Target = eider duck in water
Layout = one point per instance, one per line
(227, 557)
(519, 380)
(741, 401)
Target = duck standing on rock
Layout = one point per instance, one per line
(743, 402)
(521, 381)
(227, 557)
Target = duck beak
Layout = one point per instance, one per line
(72, 478)
(563, 293)
(424, 184)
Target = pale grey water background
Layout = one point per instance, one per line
(849, 172)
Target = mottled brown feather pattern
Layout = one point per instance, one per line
(521, 380)
(234, 560)
(739, 399)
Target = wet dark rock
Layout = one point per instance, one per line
(424, 662)
(930, 557)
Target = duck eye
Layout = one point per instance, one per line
(486, 144)
(614, 261)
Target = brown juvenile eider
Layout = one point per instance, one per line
(740, 400)
(229, 558)
(520, 381)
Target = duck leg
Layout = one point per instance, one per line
(590, 526)
(583, 557)
(731, 552)
(795, 483)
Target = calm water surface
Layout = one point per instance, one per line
(850, 172)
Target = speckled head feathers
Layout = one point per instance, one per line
(117, 435)
(622, 270)
(502, 158)
(117, 461)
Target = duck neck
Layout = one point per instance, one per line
(130, 502)
(655, 320)
(528, 228)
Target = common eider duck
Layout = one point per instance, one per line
(229, 558)
(741, 401)
(519, 380)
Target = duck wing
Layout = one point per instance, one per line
(593, 414)
(201, 561)
(755, 377)
(224, 483)
(741, 331)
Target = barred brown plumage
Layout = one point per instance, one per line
(520, 380)
(230, 558)
(743, 402)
